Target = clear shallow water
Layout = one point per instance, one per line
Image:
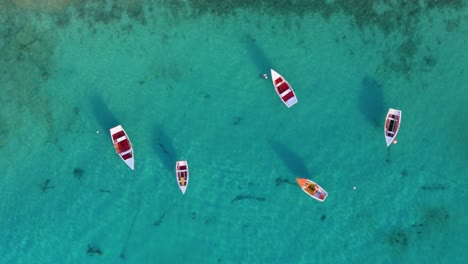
(184, 82)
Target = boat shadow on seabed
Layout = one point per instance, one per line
(164, 147)
(371, 101)
(257, 55)
(104, 116)
(292, 161)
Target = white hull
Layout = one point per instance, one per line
(182, 170)
(289, 102)
(391, 135)
(318, 193)
(129, 161)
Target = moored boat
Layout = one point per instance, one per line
(392, 125)
(122, 145)
(182, 175)
(283, 89)
(312, 189)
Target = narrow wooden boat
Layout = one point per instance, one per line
(122, 145)
(283, 89)
(392, 125)
(312, 189)
(182, 175)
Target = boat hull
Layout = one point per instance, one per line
(283, 89)
(182, 175)
(312, 189)
(392, 125)
(122, 145)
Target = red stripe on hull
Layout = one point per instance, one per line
(288, 96)
(278, 80)
(118, 135)
(127, 156)
(283, 87)
(122, 146)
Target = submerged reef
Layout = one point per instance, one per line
(209, 220)
(92, 250)
(25, 65)
(402, 17)
(46, 185)
(248, 197)
(159, 220)
(404, 172)
(433, 187)
(29, 45)
(78, 173)
(237, 120)
(435, 215)
(398, 238)
(279, 181)
(431, 219)
(4, 131)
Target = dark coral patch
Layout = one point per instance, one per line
(435, 215)
(237, 120)
(404, 172)
(455, 4)
(398, 238)
(46, 185)
(248, 197)
(78, 173)
(76, 110)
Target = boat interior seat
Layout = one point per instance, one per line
(120, 139)
(285, 92)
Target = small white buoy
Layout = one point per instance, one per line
(97, 131)
(354, 187)
(265, 76)
(395, 141)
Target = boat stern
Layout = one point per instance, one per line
(292, 101)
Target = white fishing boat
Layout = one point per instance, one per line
(392, 125)
(182, 175)
(122, 145)
(283, 89)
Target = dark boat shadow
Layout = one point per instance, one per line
(104, 116)
(164, 147)
(371, 101)
(290, 159)
(257, 55)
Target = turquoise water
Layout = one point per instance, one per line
(183, 80)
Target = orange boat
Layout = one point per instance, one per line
(122, 145)
(312, 189)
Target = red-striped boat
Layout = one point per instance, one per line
(182, 175)
(283, 89)
(122, 145)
